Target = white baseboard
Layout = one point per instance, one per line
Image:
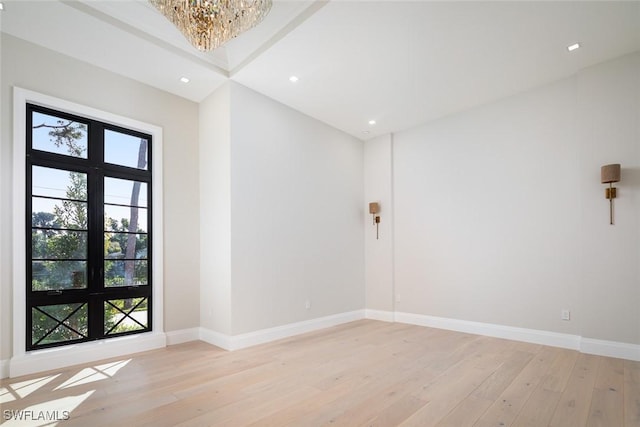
(183, 335)
(236, 342)
(215, 338)
(285, 331)
(534, 336)
(4, 369)
(385, 316)
(610, 349)
(74, 354)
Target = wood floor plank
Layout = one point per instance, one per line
(369, 408)
(607, 402)
(447, 390)
(365, 373)
(371, 383)
(575, 402)
(505, 408)
(477, 403)
(540, 407)
(558, 375)
(467, 412)
(631, 394)
(503, 376)
(395, 413)
(307, 409)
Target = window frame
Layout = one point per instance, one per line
(27, 361)
(95, 295)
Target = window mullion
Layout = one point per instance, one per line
(96, 245)
(29, 242)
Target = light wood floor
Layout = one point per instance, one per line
(363, 373)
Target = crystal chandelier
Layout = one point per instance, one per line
(208, 24)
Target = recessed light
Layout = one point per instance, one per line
(372, 122)
(184, 80)
(1, 6)
(573, 47)
(293, 79)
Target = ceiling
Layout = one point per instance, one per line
(398, 63)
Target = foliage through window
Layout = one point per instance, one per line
(89, 254)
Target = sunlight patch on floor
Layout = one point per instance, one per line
(23, 389)
(94, 373)
(6, 395)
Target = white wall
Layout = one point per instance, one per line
(486, 204)
(608, 105)
(215, 220)
(378, 175)
(42, 70)
(281, 195)
(297, 214)
(500, 216)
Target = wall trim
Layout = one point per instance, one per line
(272, 334)
(534, 336)
(249, 339)
(183, 335)
(74, 354)
(4, 369)
(616, 349)
(385, 316)
(215, 338)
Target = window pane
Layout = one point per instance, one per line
(125, 273)
(125, 246)
(57, 135)
(54, 244)
(125, 150)
(125, 192)
(124, 315)
(123, 218)
(58, 183)
(42, 214)
(46, 326)
(53, 275)
(51, 213)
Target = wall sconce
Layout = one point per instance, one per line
(374, 208)
(608, 175)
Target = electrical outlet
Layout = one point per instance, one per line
(307, 304)
(565, 314)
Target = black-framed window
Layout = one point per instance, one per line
(88, 229)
